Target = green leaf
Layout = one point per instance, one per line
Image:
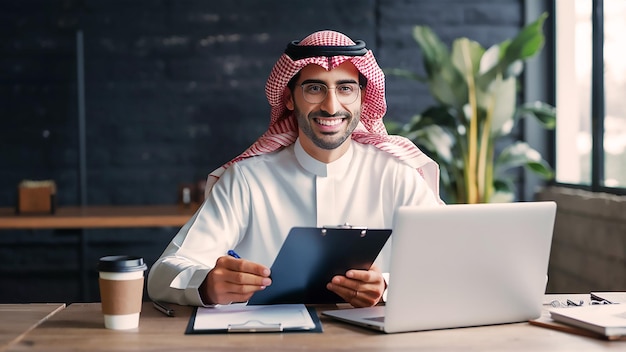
(504, 185)
(441, 142)
(526, 44)
(405, 74)
(438, 115)
(504, 95)
(541, 169)
(522, 154)
(434, 51)
(543, 112)
(465, 58)
(445, 83)
(466, 55)
(449, 88)
(514, 69)
(490, 59)
(516, 154)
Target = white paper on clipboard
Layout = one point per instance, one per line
(254, 318)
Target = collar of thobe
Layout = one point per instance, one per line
(316, 167)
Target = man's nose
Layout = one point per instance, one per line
(331, 104)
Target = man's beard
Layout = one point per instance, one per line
(305, 122)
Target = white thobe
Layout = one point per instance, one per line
(258, 200)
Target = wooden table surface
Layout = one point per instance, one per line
(16, 320)
(80, 327)
(99, 217)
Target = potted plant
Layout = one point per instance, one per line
(475, 90)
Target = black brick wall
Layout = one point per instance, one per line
(173, 89)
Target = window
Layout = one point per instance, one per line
(591, 94)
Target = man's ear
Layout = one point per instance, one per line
(289, 99)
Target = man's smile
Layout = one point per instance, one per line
(328, 121)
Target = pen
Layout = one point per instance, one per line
(163, 308)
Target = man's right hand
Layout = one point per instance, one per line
(233, 280)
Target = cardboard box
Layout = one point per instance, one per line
(36, 197)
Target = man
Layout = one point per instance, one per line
(325, 160)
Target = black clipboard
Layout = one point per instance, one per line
(253, 326)
(311, 256)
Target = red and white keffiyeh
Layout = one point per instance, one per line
(283, 129)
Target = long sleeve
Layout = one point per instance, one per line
(216, 227)
(174, 278)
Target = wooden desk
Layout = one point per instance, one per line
(18, 319)
(80, 327)
(91, 217)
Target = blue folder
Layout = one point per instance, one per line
(311, 256)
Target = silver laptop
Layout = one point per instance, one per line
(463, 265)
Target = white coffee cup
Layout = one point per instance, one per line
(121, 290)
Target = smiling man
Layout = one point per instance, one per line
(327, 105)
(326, 159)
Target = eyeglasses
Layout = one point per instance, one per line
(569, 303)
(315, 93)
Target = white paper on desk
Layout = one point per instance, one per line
(288, 315)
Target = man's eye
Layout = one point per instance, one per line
(314, 88)
(345, 89)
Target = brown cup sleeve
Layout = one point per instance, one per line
(121, 296)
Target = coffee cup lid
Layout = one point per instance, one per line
(121, 263)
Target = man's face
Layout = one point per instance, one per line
(327, 120)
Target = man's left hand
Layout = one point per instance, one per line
(360, 288)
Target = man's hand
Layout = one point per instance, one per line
(360, 288)
(233, 280)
